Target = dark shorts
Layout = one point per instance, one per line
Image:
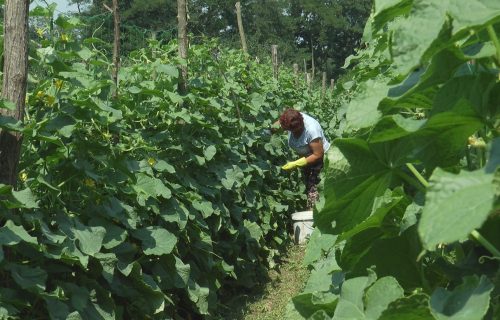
(311, 179)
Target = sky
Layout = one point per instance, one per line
(62, 5)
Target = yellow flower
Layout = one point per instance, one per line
(59, 84)
(89, 182)
(23, 176)
(40, 32)
(50, 100)
(40, 94)
(151, 161)
(64, 37)
(476, 142)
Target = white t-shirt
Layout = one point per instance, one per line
(312, 131)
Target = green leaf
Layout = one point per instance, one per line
(473, 13)
(134, 90)
(350, 305)
(354, 177)
(305, 305)
(253, 229)
(168, 69)
(325, 276)
(392, 202)
(162, 166)
(473, 90)
(209, 152)
(199, 295)
(409, 47)
(204, 207)
(455, 205)
(85, 53)
(380, 295)
(64, 125)
(394, 127)
(317, 245)
(9, 105)
(25, 198)
(387, 10)
(10, 124)
(174, 97)
(414, 307)
(40, 11)
(156, 240)
(391, 256)
(11, 234)
(363, 110)
(151, 187)
(175, 212)
(27, 277)
(441, 69)
(67, 23)
(89, 238)
(233, 177)
(468, 301)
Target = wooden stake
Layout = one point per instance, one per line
(323, 86)
(305, 70)
(312, 61)
(274, 55)
(240, 27)
(183, 44)
(296, 73)
(308, 77)
(116, 46)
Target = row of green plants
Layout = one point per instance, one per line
(150, 205)
(408, 224)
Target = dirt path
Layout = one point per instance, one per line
(285, 284)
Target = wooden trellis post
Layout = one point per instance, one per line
(323, 85)
(312, 62)
(296, 73)
(274, 55)
(308, 80)
(183, 44)
(305, 70)
(240, 27)
(332, 85)
(116, 46)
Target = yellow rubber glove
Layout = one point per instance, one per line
(294, 164)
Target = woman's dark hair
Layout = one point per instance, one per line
(291, 120)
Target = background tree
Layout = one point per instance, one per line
(331, 28)
(15, 69)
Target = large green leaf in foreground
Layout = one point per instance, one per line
(469, 301)
(354, 176)
(455, 205)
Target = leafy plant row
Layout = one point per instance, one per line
(152, 205)
(408, 226)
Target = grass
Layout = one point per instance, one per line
(269, 302)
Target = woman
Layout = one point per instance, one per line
(306, 137)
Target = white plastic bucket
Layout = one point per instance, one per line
(302, 226)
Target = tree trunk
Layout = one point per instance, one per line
(183, 44)
(274, 55)
(116, 47)
(240, 27)
(15, 72)
(332, 85)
